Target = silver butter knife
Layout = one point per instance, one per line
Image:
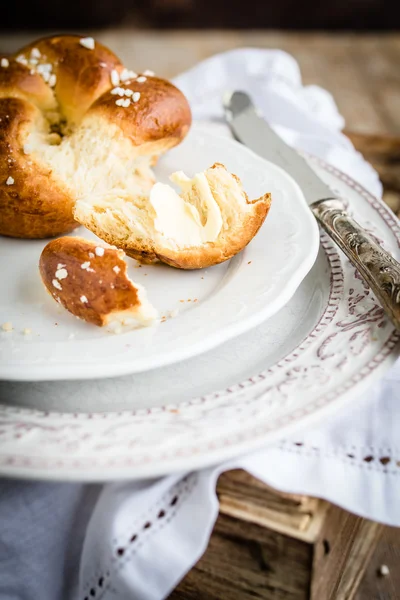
(379, 270)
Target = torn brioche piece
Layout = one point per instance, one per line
(209, 222)
(91, 282)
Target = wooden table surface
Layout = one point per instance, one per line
(363, 74)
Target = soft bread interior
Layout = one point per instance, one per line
(92, 160)
(118, 199)
(209, 205)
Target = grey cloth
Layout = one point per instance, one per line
(42, 527)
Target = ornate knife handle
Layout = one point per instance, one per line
(379, 270)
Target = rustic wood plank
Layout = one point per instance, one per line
(368, 536)
(249, 557)
(392, 199)
(383, 152)
(375, 586)
(341, 554)
(246, 498)
(263, 515)
(240, 483)
(244, 561)
(385, 148)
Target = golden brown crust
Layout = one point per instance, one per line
(82, 75)
(161, 115)
(35, 204)
(40, 204)
(17, 81)
(93, 287)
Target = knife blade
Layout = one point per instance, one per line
(376, 266)
(250, 128)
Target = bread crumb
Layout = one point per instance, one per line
(7, 326)
(195, 300)
(10, 180)
(116, 269)
(249, 263)
(27, 331)
(99, 251)
(202, 278)
(173, 313)
(83, 299)
(5, 63)
(88, 43)
(181, 301)
(57, 284)
(189, 299)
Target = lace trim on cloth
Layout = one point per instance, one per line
(382, 460)
(137, 535)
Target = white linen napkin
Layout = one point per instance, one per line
(142, 537)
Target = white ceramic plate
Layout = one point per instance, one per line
(319, 352)
(213, 305)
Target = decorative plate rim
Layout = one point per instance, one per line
(18, 465)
